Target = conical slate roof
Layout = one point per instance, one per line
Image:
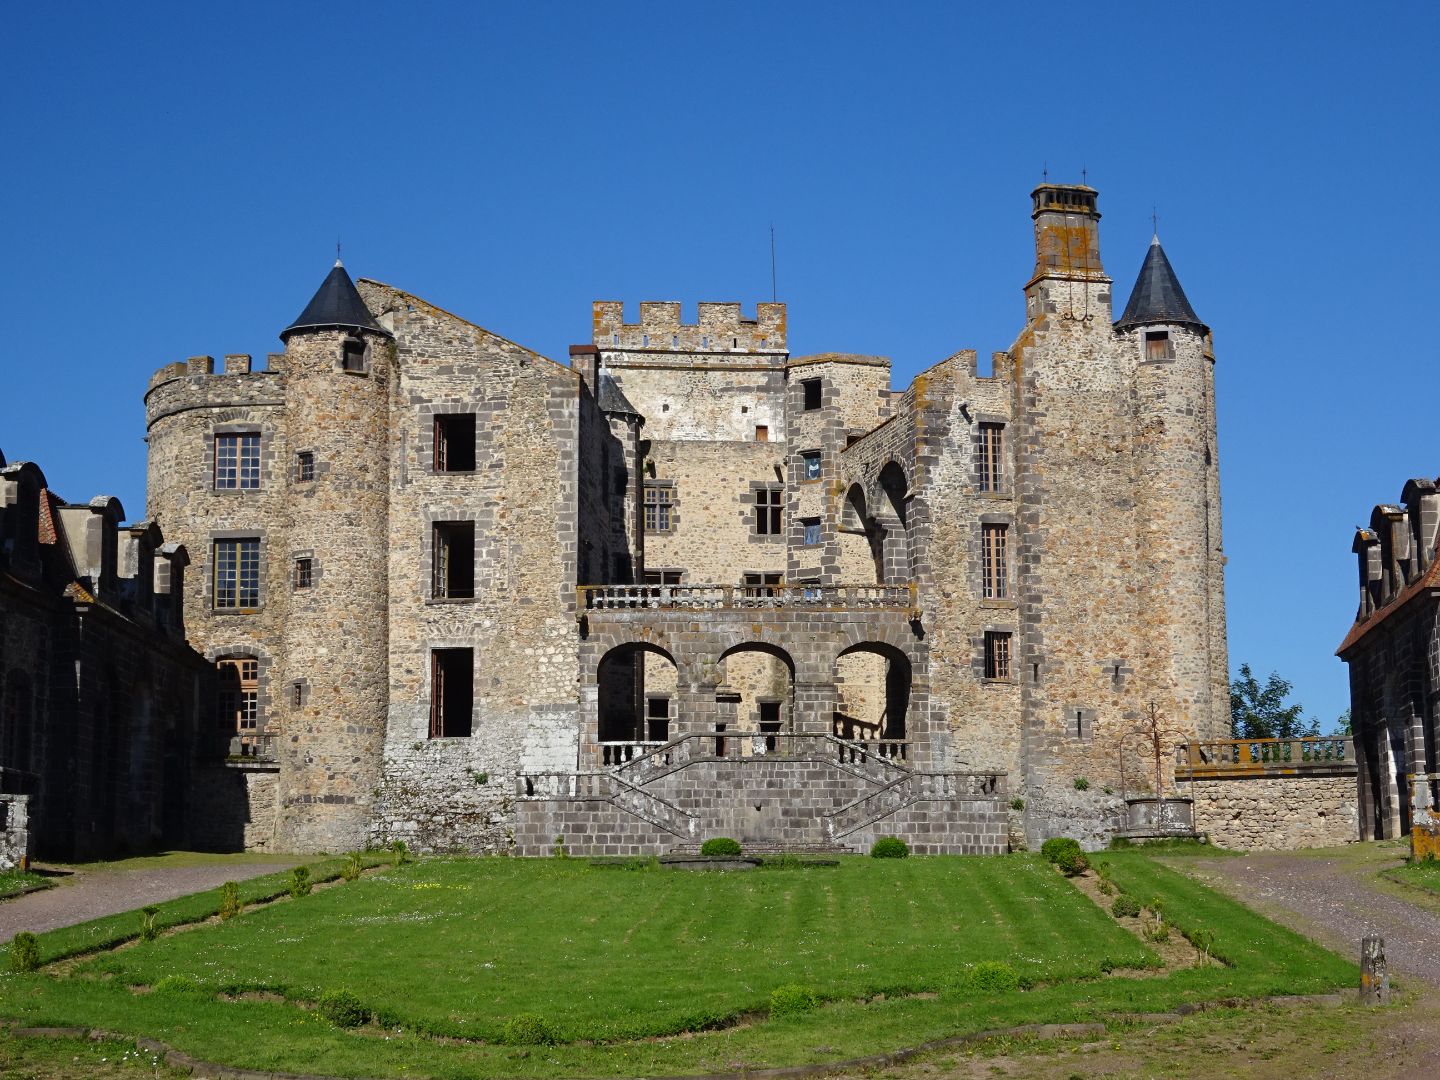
(1157, 296)
(336, 305)
(612, 399)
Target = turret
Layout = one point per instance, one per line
(338, 366)
(1069, 280)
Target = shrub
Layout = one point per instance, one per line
(529, 1029)
(559, 850)
(1017, 803)
(24, 952)
(1072, 863)
(229, 900)
(1157, 932)
(1125, 906)
(792, 998)
(889, 847)
(400, 851)
(1106, 889)
(1056, 846)
(342, 1008)
(992, 977)
(299, 882)
(1081, 784)
(720, 845)
(177, 984)
(350, 871)
(148, 932)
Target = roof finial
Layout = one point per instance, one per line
(1084, 175)
(1044, 172)
(337, 252)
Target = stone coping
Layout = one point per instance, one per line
(710, 862)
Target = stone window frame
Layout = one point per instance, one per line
(809, 526)
(679, 571)
(433, 534)
(802, 466)
(812, 389)
(264, 664)
(1078, 722)
(1008, 600)
(674, 505)
(990, 658)
(267, 456)
(425, 414)
(1004, 480)
(366, 356)
(1144, 338)
(750, 499)
(1119, 671)
(299, 693)
(758, 587)
(264, 570)
(296, 558)
(444, 644)
(318, 467)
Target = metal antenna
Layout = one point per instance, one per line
(1044, 171)
(337, 251)
(1154, 221)
(774, 295)
(1084, 175)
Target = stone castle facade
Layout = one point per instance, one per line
(691, 585)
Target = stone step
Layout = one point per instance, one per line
(773, 847)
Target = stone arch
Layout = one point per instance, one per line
(755, 692)
(636, 692)
(861, 548)
(874, 681)
(890, 512)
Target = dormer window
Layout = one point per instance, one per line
(352, 355)
(1157, 345)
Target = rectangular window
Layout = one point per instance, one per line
(758, 586)
(812, 530)
(991, 461)
(769, 510)
(1157, 345)
(762, 433)
(770, 723)
(453, 547)
(237, 574)
(657, 716)
(239, 702)
(452, 692)
(810, 465)
(997, 654)
(993, 561)
(455, 442)
(304, 573)
(237, 461)
(811, 388)
(659, 508)
(663, 577)
(304, 466)
(352, 355)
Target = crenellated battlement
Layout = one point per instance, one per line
(232, 364)
(194, 383)
(720, 328)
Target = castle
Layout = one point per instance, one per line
(691, 585)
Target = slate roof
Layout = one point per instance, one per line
(1157, 296)
(612, 399)
(336, 305)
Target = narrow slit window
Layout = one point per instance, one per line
(997, 654)
(452, 692)
(455, 442)
(994, 559)
(991, 460)
(454, 560)
(769, 511)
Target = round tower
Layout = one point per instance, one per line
(337, 367)
(1178, 500)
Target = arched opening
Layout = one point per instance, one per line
(637, 684)
(861, 558)
(754, 700)
(872, 698)
(892, 518)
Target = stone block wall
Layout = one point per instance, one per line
(234, 806)
(1277, 813)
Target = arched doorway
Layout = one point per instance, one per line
(872, 698)
(637, 691)
(754, 699)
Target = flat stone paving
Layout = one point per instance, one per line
(1335, 896)
(91, 894)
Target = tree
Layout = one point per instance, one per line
(1343, 725)
(1258, 712)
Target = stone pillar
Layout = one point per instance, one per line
(814, 707)
(1374, 973)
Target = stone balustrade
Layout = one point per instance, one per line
(727, 597)
(1229, 757)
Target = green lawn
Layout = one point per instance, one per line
(15, 882)
(1424, 875)
(621, 961)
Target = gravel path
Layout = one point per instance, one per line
(1336, 899)
(90, 894)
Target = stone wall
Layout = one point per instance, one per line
(16, 844)
(1276, 813)
(233, 807)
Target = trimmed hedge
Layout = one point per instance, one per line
(889, 847)
(720, 846)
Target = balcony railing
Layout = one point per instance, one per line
(724, 597)
(1239, 756)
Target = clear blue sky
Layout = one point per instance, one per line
(175, 178)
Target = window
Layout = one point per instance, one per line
(237, 574)
(810, 465)
(453, 568)
(663, 577)
(769, 510)
(452, 692)
(993, 563)
(297, 694)
(659, 508)
(657, 716)
(237, 461)
(455, 442)
(238, 706)
(812, 530)
(811, 589)
(759, 586)
(997, 654)
(991, 461)
(304, 466)
(1157, 345)
(811, 388)
(352, 355)
(304, 573)
(762, 433)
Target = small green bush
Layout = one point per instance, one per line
(1081, 784)
(1125, 906)
(342, 1008)
(229, 900)
(792, 998)
(350, 871)
(720, 845)
(1106, 889)
(992, 977)
(148, 932)
(529, 1029)
(299, 882)
(1017, 803)
(1057, 846)
(177, 984)
(24, 952)
(889, 847)
(1072, 863)
(1157, 932)
(400, 851)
